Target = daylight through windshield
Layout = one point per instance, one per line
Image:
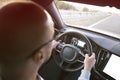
(101, 19)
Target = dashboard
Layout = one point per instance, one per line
(107, 50)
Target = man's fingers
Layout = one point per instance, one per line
(55, 43)
(86, 55)
(93, 55)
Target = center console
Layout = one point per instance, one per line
(112, 68)
(108, 65)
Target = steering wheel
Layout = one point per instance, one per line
(69, 54)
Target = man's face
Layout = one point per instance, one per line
(50, 34)
(48, 50)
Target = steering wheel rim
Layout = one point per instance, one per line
(71, 62)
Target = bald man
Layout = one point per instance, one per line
(26, 34)
(26, 40)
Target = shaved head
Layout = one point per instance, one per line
(24, 26)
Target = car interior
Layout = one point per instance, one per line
(83, 30)
(102, 38)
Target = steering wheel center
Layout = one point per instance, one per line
(69, 54)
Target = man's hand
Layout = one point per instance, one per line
(55, 43)
(89, 62)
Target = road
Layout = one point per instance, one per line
(81, 18)
(110, 24)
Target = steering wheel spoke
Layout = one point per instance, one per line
(80, 61)
(61, 63)
(66, 65)
(58, 51)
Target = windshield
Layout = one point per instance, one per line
(100, 19)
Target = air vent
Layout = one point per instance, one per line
(102, 58)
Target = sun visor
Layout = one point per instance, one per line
(43, 3)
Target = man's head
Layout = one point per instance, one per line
(24, 28)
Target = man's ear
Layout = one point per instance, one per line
(38, 57)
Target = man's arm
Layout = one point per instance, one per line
(88, 64)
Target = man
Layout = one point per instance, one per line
(26, 31)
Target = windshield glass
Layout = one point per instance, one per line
(100, 19)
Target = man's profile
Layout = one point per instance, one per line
(26, 40)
